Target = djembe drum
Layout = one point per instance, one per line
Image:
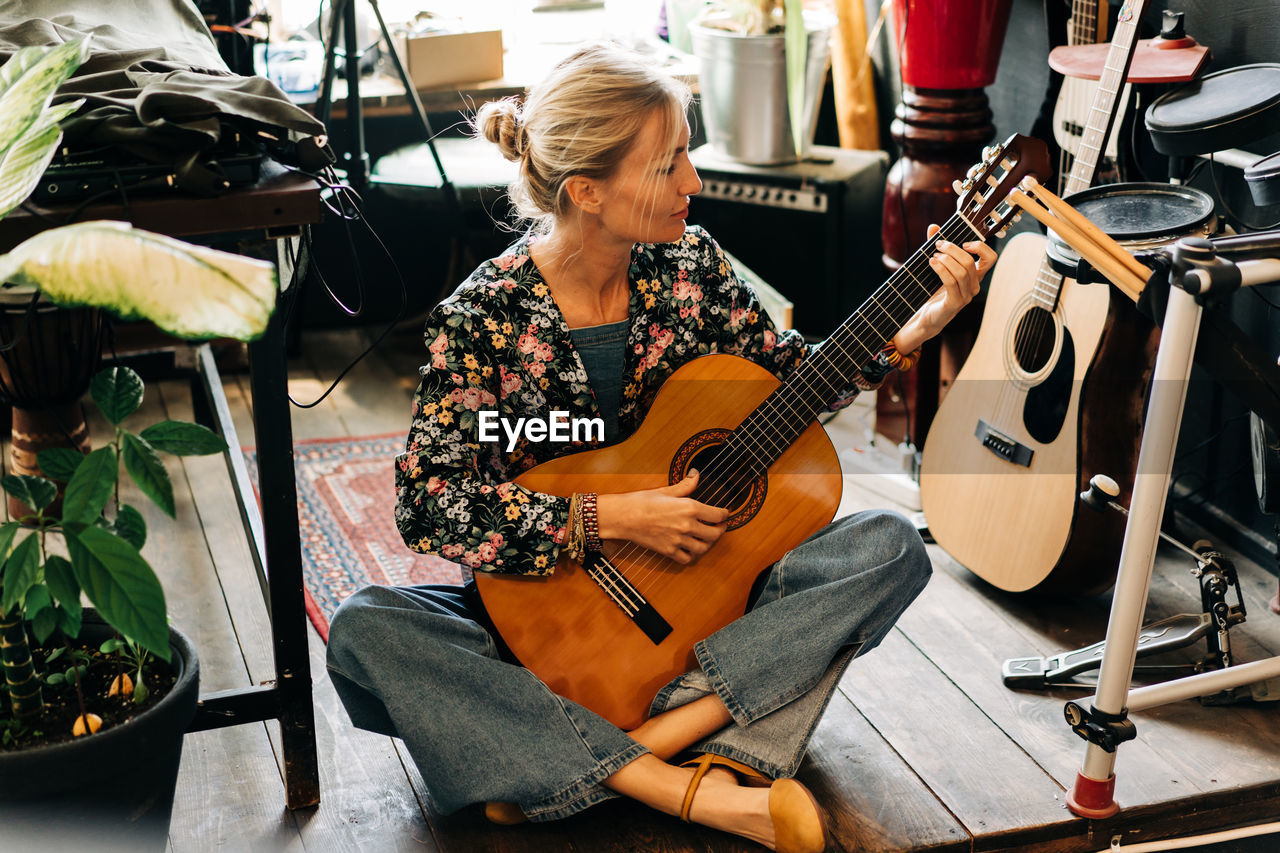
(47, 357)
(948, 53)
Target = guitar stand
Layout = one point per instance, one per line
(1198, 267)
(1217, 576)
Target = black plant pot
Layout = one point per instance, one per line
(111, 791)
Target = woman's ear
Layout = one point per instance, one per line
(584, 193)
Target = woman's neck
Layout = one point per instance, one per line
(588, 277)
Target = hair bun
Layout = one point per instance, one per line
(499, 122)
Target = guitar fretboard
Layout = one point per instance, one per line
(769, 430)
(1048, 284)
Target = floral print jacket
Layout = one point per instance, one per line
(500, 343)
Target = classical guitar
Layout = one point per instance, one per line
(1051, 393)
(609, 634)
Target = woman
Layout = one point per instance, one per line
(607, 294)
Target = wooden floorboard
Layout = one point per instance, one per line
(922, 749)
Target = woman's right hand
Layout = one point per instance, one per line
(665, 520)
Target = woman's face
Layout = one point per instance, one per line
(647, 199)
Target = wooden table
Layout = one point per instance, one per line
(251, 220)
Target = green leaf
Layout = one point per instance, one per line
(183, 439)
(7, 532)
(68, 621)
(111, 645)
(55, 678)
(796, 44)
(90, 487)
(22, 166)
(117, 391)
(35, 492)
(131, 526)
(131, 273)
(59, 463)
(122, 586)
(27, 84)
(41, 612)
(140, 692)
(146, 469)
(55, 654)
(20, 572)
(62, 583)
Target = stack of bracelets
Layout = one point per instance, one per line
(583, 526)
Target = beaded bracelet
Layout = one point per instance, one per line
(582, 528)
(574, 543)
(590, 523)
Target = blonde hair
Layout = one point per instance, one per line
(581, 120)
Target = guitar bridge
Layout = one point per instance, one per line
(1003, 446)
(627, 597)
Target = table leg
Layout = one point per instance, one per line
(279, 498)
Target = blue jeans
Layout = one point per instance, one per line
(419, 663)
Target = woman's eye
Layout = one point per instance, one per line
(670, 170)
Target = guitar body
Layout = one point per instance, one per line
(565, 629)
(1072, 409)
(1071, 116)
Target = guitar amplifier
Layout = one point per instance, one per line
(810, 229)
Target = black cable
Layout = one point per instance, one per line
(359, 216)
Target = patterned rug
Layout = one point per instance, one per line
(346, 499)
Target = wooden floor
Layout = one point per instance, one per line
(921, 749)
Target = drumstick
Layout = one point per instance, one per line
(1100, 256)
(1065, 211)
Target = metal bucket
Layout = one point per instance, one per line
(743, 81)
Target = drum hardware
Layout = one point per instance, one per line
(1263, 179)
(1215, 113)
(1139, 216)
(1198, 269)
(1216, 575)
(1264, 447)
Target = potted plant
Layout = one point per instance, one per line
(762, 66)
(94, 703)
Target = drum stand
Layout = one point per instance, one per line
(1199, 267)
(1217, 577)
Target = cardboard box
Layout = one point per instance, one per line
(449, 58)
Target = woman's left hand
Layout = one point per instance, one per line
(961, 269)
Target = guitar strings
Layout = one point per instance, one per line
(802, 384)
(747, 453)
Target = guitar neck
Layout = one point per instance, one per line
(1084, 23)
(1110, 83)
(818, 381)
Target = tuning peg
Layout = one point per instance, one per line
(957, 187)
(988, 153)
(973, 171)
(1002, 232)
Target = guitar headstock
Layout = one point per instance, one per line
(983, 193)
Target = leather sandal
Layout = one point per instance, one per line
(747, 775)
(506, 814)
(798, 826)
(797, 820)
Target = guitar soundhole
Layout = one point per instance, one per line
(1034, 339)
(724, 480)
